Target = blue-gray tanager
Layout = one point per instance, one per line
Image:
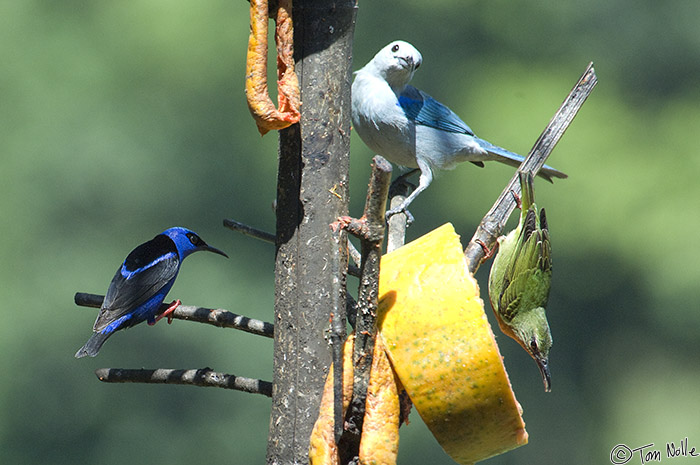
(412, 129)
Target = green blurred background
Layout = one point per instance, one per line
(120, 119)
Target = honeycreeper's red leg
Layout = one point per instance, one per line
(518, 202)
(488, 253)
(168, 312)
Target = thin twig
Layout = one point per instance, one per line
(250, 231)
(215, 317)
(204, 377)
(370, 230)
(338, 266)
(356, 257)
(397, 224)
(494, 221)
(396, 237)
(353, 270)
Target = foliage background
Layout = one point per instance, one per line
(119, 119)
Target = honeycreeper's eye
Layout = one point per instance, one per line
(194, 239)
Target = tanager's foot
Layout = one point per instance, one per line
(400, 209)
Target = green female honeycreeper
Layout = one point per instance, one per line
(520, 279)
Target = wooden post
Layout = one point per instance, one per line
(312, 193)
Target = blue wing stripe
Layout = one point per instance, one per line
(128, 274)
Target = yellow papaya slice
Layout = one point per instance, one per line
(433, 325)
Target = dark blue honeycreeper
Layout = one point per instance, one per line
(141, 284)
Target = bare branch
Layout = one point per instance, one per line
(250, 231)
(396, 237)
(370, 230)
(493, 223)
(356, 257)
(397, 224)
(204, 377)
(338, 262)
(215, 317)
(353, 269)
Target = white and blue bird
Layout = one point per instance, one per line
(410, 128)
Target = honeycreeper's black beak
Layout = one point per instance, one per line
(543, 365)
(209, 248)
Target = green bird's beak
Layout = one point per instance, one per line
(543, 365)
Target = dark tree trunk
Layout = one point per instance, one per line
(312, 193)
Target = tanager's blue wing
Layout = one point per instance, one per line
(425, 110)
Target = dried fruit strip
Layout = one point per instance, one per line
(266, 116)
(379, 443)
